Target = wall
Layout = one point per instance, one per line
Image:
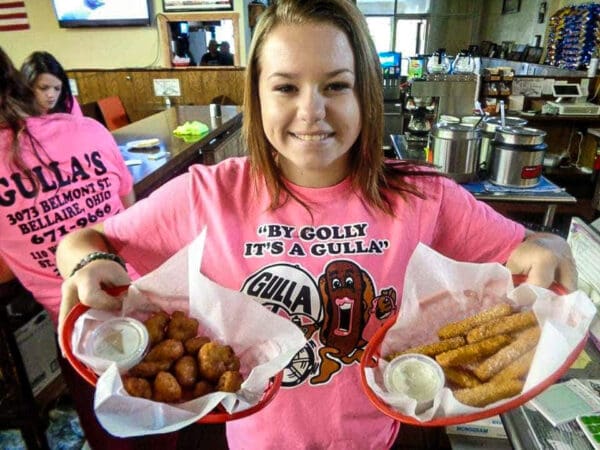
(94, 48)
(454, 25)
(199, 86)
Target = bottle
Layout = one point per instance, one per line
(593, 65)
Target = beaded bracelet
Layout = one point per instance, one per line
(95, 256)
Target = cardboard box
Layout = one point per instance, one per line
(37, 345)
(491, 427)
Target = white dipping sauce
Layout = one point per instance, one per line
(415, 377)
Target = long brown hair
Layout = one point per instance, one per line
(368, 171)
(39, 63)
(17, 102)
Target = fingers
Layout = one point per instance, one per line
(567, 274)
(541, 275)
(544, 258)
(86, 286)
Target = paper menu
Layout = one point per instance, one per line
(585, 245)
(564, 402)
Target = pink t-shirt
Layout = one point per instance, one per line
(337, 274)
(81, 176)
(76, 109)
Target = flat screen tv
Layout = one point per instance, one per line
(102, 13)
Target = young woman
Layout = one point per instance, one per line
(49, 82)
(58, 172)
(317, 209)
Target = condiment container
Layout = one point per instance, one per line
(417, 376)
(517, 157)
(456, 150)
(121, 340)
(487, 138)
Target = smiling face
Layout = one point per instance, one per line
(309, 104)
(47, 91)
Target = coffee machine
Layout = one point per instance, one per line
(453, 95)
(431, 97)
(421, 111)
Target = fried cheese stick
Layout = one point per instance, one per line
(504, 325)
(487, 393)
(516, 369)
(460, 377)
(433, 348)
(505, 356)
(463, 326)
(472, 352)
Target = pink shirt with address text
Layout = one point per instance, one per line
(81, 176)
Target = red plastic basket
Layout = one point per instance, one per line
(371, 358)
(219, 415)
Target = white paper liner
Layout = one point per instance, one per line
(264, 342)
(438, 290)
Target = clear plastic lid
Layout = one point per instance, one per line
(417, 376)
(121, 340)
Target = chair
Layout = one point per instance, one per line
(113, 112)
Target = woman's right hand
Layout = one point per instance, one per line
(87, 285)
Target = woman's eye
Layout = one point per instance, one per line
(339, 86)
(284, 88)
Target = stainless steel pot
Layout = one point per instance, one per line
(456, 150)
(517, 157)
(489, 126)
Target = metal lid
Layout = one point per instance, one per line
(519, 135)
(444, 130)
(122, 340)
(491, 123)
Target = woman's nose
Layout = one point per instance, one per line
(311, 106)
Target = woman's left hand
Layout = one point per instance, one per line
(544, 258)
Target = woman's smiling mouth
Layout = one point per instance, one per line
(312, 137)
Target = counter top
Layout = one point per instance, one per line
(173, 155)
(527, 429)
(555, 118)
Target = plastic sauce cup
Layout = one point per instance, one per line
(121, 340)
(416, 376)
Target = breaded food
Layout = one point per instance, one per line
(167, 350)
(463, 326)
(505, 356)
(487, 393)
(181, 326)
(432, 349)
(138, 387)
(149, 369)
(517, 369)
(472, 352)
(170, 372)
(201, 388)
(230, 381)
(185, 370)
(156, 325)
(504, 325)
(460, 377)
(192, 345)
(214, 359)
(166, 388)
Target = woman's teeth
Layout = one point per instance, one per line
(312, 137)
